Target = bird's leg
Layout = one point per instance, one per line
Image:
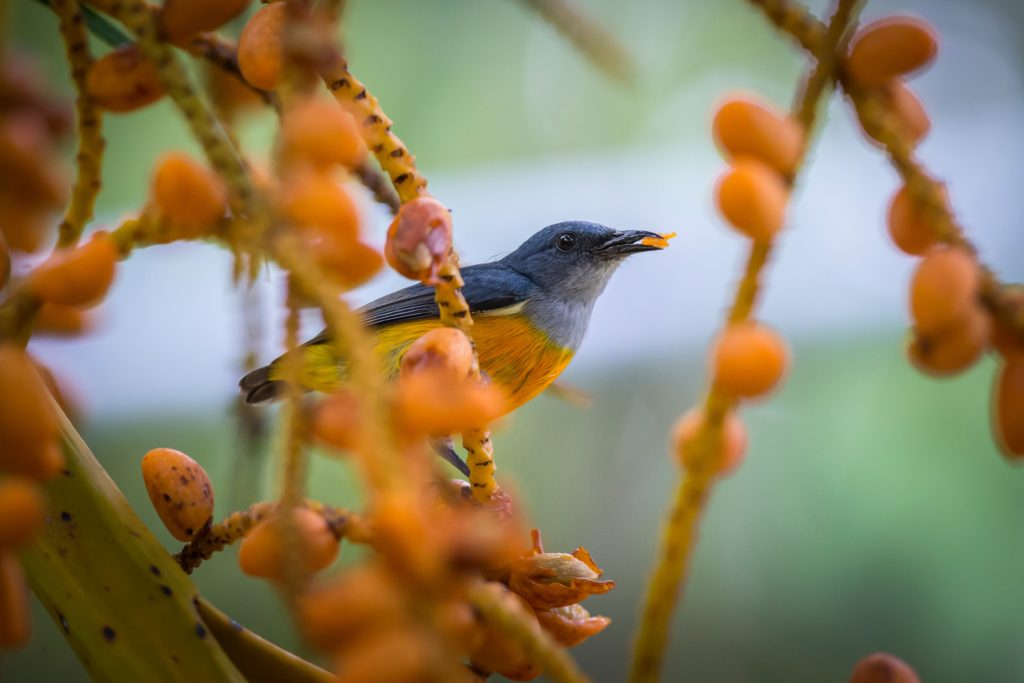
(446, 449)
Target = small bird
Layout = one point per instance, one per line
(530, 312)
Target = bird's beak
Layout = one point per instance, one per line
(627, 242)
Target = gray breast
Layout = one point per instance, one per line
(565, 322)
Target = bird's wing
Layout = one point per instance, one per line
(489, 288)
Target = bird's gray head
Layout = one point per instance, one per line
(575, 259)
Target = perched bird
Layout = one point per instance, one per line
(530, 311)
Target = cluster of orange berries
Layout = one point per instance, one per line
(952, 328)
(32, 183)
(30, 455)
(125, 80)
(763, 147)
(408, 612)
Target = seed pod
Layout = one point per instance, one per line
(230, 93)
(179, 20)
(548, 580)
(889, 48)
(457, 620)
(338, 421)
(731, 446)
(749, 360)
(752, 197)
(263, 549)
(745, 127)
(357, 600)
(883, 668)
(420, 239)
(78, 276)
(15, 628)
(953, 349)
(444, 350)
(1008, 408)
(189, 196)
(319, 131)
(54, 320)
(124, 80)
(944, 289)
(21, 512)
(908, 223)
(572, 624)
(179, 490)
(28, 424)
(260, 46)
(312, 199)
(349, 263)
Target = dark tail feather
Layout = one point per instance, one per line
(259, 388)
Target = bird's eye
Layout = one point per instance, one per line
(566, 241)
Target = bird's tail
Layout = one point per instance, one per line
(258, 387)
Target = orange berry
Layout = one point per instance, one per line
(907, 108)
(26, 227)
(260, 47)
(749, 360)
(351, 264)
(28, 422)
(191, 197)
(77, 276)
(419, 239)
(889, 48)
(752, 197)
(321, 132)
(124, 80)
(338, 421)
(730, 448)
(61, 321)
(883, 668)
(31, 174)
(953, 349)
(334, 613)
(1006, 340)
(179, 20)
(428, 404)
(1008, 408)
(909, 227)
(314, 199)
(263, 549)
(395, 655)
(944, 289)
(230, 94)
(744, 127)
(444, 350)
(179, 490)
(15, 628)
(5, 263)
(21, 512)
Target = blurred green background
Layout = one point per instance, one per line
(873, 511)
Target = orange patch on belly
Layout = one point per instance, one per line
(514, 354)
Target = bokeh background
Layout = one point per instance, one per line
(873, 511)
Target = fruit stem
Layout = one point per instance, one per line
(679, 532)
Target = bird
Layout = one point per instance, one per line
(530, 311)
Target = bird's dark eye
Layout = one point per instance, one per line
(566, 241)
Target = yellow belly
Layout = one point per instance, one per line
(514, 354)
